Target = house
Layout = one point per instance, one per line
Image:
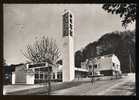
(107, 65)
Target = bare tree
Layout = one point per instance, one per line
(42, 50)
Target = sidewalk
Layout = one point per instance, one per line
(19, 87)
(38, 89)
(13, 88)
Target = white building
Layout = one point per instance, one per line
(22, 75)
(108, 65)
(36, 73)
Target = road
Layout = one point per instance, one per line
(123, 86)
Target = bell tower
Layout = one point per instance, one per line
(68, 46)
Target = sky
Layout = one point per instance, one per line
(24, 23)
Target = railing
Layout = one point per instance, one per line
(81, 69)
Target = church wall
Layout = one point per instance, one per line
(13, 77)
(20, 75)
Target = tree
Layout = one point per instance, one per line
(126, 11)
(122, 44)
(42, 50)
(60, 62)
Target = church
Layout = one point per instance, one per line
(39, 73)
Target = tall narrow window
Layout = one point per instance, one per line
(70, 16)
(71, 33)
(70, 20)
(70, 26)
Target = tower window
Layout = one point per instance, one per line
(65, 20)
(70, 20)
(66, 15)
(71, 33)
(70, 16)
(65, 32)
(70, 26)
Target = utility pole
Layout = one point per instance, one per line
(49, 80)
(93, 62)
(130, 63)
(93, 72)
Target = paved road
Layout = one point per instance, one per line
(124, 86)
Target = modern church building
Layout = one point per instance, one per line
(39, 73)
(36, 73)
